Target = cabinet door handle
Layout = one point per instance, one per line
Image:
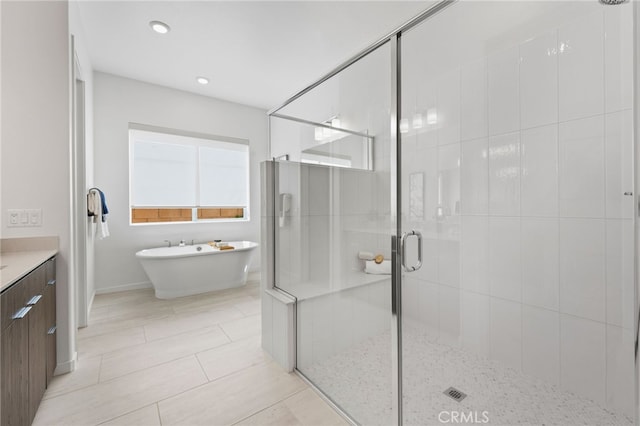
(35, 299)
(21, 313)
(51, 282)
(52, 330)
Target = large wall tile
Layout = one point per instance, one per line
(448, 108)
(506, 332)
(618, 57)
(582, 268)
(539, 153)
(583, 357)
(475, 316)
(540, 268)
(449, 300)
(619, 164)
(504, 175)
(504, 258)
(449, 178)
(541, 343)
(474, 176)
(539, 80)
(620, 284)
(449, 255)
(581, 168)
(620, 370)
(581, 67)
(473, 106)
(475, 254)
(503, 93)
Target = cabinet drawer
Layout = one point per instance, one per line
(12, 300)
(21, 294)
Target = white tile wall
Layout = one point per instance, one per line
(545, 237)
(541, 343)
(504, 175)
(473, 100)
(449, 315)
(474, 176)
(620, 370)
(475, 316)
(506, 332)
(505, 258)
(539, 81)
(581, 168)
(582, 268)
(619, 267)
(503, 93)
(475, 254)
(540, 263)
(619, 164)
(581, 67)
(448, 108)
(583, 357)
(539, 185)
(618, 55)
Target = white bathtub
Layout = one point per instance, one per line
(194, 269)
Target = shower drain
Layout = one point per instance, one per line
(455, 394)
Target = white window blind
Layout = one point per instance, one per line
(172, 170)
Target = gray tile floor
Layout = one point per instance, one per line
(189, 361)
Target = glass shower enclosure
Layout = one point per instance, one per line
(455, 219)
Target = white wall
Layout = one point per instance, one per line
(119, 101)
(86, 75)
(36, 137)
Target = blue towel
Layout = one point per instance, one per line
(103, 201)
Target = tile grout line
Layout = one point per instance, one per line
(124, 414)
(273, 405)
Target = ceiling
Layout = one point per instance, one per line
(256, 53)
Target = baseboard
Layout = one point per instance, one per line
(253, 276)
(124, 287)
(67, 366)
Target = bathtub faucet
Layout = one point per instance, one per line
(167, 241)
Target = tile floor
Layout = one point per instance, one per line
(507, 396)
(189, 361)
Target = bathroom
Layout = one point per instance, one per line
(517, 258)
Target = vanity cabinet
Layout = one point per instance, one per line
(28, 353)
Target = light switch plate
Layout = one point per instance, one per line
(35, 217)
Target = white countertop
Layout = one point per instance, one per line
(20, 263)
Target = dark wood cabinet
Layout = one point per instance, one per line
(27, 357)
(50, 306)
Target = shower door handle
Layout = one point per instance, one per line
(403, 244)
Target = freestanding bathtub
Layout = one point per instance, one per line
(193, 269)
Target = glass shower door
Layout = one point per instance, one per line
(333, 218)
(516, 168)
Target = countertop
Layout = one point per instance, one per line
(19, 256)
(20, 263)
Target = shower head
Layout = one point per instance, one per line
(612, 2)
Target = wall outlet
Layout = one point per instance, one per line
(14, 218)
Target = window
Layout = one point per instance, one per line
(185, 177)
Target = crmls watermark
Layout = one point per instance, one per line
(471, 417)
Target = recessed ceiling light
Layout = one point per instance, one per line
(202, 80)
(159, 27)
